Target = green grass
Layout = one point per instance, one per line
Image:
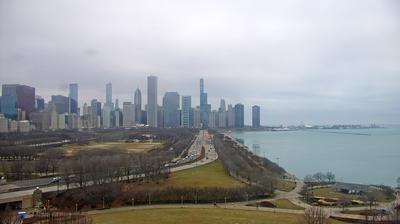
(209, 175)
(286, 204)
(286, 185)
(330, 192)
(197, 216)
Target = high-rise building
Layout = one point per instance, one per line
(24, 95)
(171, 110)
(222, 114)
(61, 103)
(138, 106)
(203, 105)
(160, 117)
(255, 116)
(39, 103)
(9, 106)
(94, 113)
(152, 105)
(107, 117)
(186, 111)
(239, 115)
(196, 117)
(231, 116)
(128, 111)
(213, 119)
(73, 98)
(109, 94)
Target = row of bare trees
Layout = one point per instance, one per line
(243, 164)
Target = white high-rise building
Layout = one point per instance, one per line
(107, 116)
(3, 124)
(128, 111)
(197, 117)
(152, 105)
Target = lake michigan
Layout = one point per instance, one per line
(367, 156)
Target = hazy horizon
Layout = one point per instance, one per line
(316, 62)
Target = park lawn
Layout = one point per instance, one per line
(196, 216)
(286, 185)
(286, 204)
(329, 192)
(209, 175)
(134, 147)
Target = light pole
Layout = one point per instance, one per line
(133, 202)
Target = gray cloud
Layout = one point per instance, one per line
(312, 61)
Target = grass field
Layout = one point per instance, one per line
(286, 204)
(197, 216)
(71, 149)
(210, 175)
(286, 185)
(329, 192)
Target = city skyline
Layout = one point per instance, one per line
(321, 63)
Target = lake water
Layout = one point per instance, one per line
(373, 158)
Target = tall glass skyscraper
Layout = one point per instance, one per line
(18, 96)
(152, 106)
(73, 98)
(203, 105)
(239, 115)
(255, 116)
(138, 106)
(171, 109)
(109, 94)
(186, 111)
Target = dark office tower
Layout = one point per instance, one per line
(255, 112)
(187, 112)
(171, 109)
(109, 94)
(138, 106)
(61, 103)
(73, 98)
(24, 95)
(152, 106)
(39, 104)
(203, 105)
(239, 115)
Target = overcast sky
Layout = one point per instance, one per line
(317, 62)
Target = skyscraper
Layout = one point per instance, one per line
(109, 94)
(152, 106)
(239, 115)
(73, 98)
(128, 111)
(23, 95)
(203, 105)
(255, 116)
(231, 116)
(138, 106)
(186, 111)
(171, 109)
(222, 114)
(61, 103)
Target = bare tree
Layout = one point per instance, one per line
(9, 217)
(315, 215)
(330, 177)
